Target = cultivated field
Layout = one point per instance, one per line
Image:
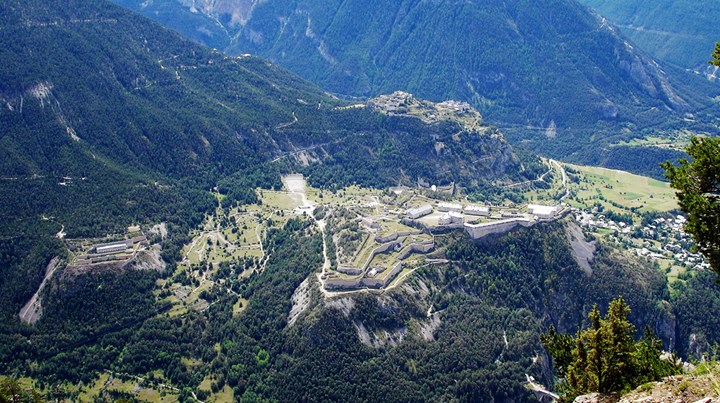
(624, 188)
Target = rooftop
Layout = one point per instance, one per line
(541, 209)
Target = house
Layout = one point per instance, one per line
(444, 219)
(477, 210)
(456, 218)
(421, 211)
(451, 218)
(444, 206)
(541, 211)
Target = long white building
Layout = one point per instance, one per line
(421, 211)
(444, 206)
(542, 211)
(477, 210)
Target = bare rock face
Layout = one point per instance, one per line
(686, 388)
(229, 12)
(582, 250)
(150, 260)
(595, 398)
(32, 310)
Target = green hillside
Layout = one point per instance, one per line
(109, 119)
(556, 77)
(679, 32)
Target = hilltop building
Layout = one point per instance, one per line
(543, 211)
(444, 206)
(477, 210)
(421, 211)
(112, 247)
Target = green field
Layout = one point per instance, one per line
(673, 141)
(391, 227)
(384, 260)
(624, 188)
(143, 393)
(364, 254)
(280, 200)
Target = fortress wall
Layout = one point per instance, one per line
(424, 247)
(355, 283)
(396, 235)
(394, 272)
(349, 270)
(480, 230)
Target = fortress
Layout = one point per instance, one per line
(414, 236)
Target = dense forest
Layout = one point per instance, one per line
(485, 340)
(676, 31)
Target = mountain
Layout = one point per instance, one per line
(555, 76)
(133, 123)
(678, 32)
(110, 120)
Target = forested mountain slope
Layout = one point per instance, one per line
(110, 119)
(680, 32)
(465, 330)
(561, 77)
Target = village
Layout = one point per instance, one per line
(662, 240)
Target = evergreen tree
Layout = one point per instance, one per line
(605, 358)
(595, 366)
(560, 345)
(716, 56)
(620, 363)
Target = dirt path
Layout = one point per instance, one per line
(61, 234)
(326, 262)
(539, 389)
(288, 124)
(31, 312)
(264, 256)
(540, 178)
(308, 148)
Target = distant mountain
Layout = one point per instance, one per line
(110, 119)
(558, 77)
(680, 32)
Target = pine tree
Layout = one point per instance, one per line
(620, 361)
(559, 346)
(605, 358)
(595, 351)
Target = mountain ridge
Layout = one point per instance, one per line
(679, 32)
(553, 75)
